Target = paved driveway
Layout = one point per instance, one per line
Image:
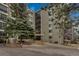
(39, 51)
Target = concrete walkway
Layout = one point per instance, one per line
(40, 50)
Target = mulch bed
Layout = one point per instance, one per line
(25, 44)
(13, 45)
(39, 42)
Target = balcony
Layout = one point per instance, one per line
(3, 8)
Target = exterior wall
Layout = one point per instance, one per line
(49, 30)
(44, 25)
(75, 30)
(56, 32)
(31, 19)
(3, 17)
(38, 26)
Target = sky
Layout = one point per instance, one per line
(36, 6)
(74, 15)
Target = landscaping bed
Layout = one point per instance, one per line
(13, 46)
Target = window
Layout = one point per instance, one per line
(3, 17)
(50, 31)
(0, 16)
(1, 33)
(56, 27)
(3, 8)
(1, 25)
(56, 23)
(13, 14)
(75, 29)
(50, 37)
(49, 25)
(52, 20)
(49, 13)
(78, 32)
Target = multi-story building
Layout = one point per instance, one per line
(75, 30)
(45, 27)
(7, 12)
(31, 19)
(58, 19)
(39, 22)
(55, 32)
(17, 10)
(41, 25)
(3, 17)
(49, 23)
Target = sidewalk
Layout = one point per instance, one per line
(72, 46)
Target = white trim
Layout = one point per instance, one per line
(12, 17)
(39, 34)
(2, 30)
(3, 13)
(50, 28)
(2, 21)
(4, 4)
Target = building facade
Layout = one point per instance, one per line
(41, 25)
(75, 30)
(49, 24)
(6, 11)
(31, 19)
(45, 27)
(55, 32)
(3, 17)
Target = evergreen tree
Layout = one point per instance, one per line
(19, 26)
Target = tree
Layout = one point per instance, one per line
(60, 13)
(19, 25)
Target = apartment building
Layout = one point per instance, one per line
(31, 19)
(41, 25)
(57, 20)
(45, 27)
(38, 26)
(75, 30)
(7, 12)
(3, 17)
(56, 34)
(37, 21)
(48, 25)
